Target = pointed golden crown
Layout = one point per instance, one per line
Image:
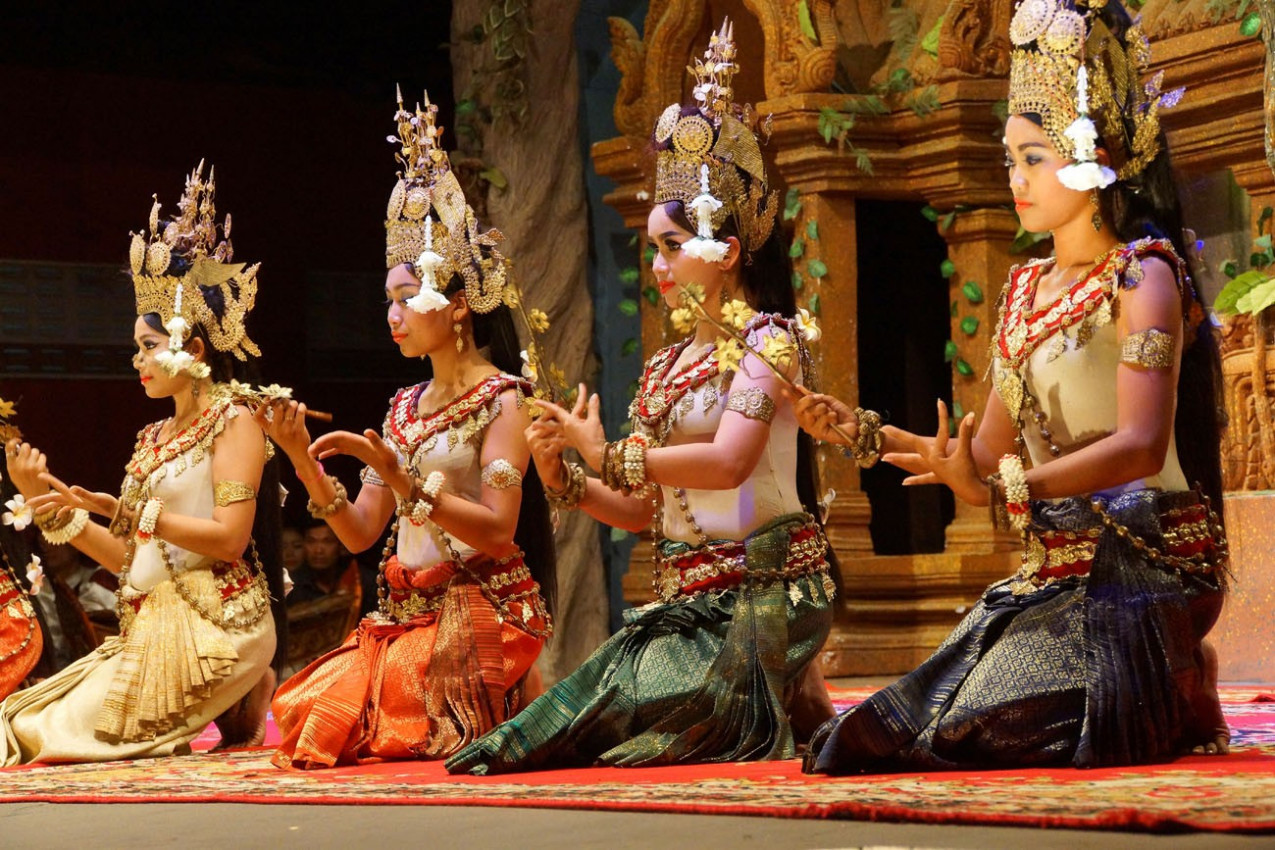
(428, 213)
(179, 264)
(1052, 40)
(718, 135)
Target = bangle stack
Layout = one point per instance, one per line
(148, 518)
(339, 500)
(624, 465)
(571, 494)
(1017, 497)
(866, 449)
(58, 531)
(424, 497)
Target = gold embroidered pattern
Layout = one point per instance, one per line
(1149, 349)
(228, 492)
(752, 403)
(500, 474)
(371, 476)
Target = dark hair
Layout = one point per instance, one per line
(766, 277)
(1148, 205)
(534, 534)
(267, 521)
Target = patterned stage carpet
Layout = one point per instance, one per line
(1233, 793)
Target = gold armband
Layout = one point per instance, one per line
(228, 492)
(1150, 349)
(752, 403)
(500, 474)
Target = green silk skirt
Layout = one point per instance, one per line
(704, 678)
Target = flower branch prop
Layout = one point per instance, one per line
(550, 380)
(8, 430)
(269, 395)
(776, 352)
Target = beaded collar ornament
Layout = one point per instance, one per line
(715, 178)
(183, 273)
(1068, 67)
(429, 224)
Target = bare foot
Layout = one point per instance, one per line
(1209, 727)
(244, 723)
(810, 705)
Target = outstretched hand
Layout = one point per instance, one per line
(367, 447)
(581, 427)
(63, 498)
(821, 415)
(931, 462)
(284, 422)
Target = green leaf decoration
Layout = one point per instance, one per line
(930, 44)
(817, 269)
(1230, 268)
(863, 162)
(648, 254)
(652, 295)
(628, 307)
(947, 268)
(969, 325)
(630, 275)
(955, 309)
(792, 205)
(797, 281)
(964, 368)
(816, 306)
(629, 347)
(973, 292)
(958, 412)
(1258, 298)
(1263, 242)
(495, 177)
(947, 221)
(1025, 239)
(807, 25)
(1251, 26)
(619, 535)
(950, 351)
(929, 213)
(812, 230)
(1267, 212)
(1227, 301)
(466, 107)
(796, 249)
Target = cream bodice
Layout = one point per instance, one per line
(770, 490)
(184, 482)
(1067, 354)
(448, 441)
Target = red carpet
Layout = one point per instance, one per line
(1232, 793)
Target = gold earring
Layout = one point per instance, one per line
(460, 339)
(194, 390)
(723, 296)
(1096, 220)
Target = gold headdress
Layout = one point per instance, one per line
(1067, 65)
(715, 179)
(429, 224)
(180, 260)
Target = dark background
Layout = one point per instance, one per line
(106, 104)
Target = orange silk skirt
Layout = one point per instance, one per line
(21, 640)
(421, 685)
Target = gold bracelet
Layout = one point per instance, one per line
(228, 492)
(572, 492)
(866, 449)
(1017, 498)
(339, 500)
(67, 530)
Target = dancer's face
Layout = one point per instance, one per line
(1044, 204)
(155, 381)
(416, 334)
(672, 265)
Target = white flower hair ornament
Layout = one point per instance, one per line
(1085, 172)
(174, 360)
(429, 298)
(19, 514)
(704, 246)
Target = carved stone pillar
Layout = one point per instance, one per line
(978, 244)
(837, 355)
